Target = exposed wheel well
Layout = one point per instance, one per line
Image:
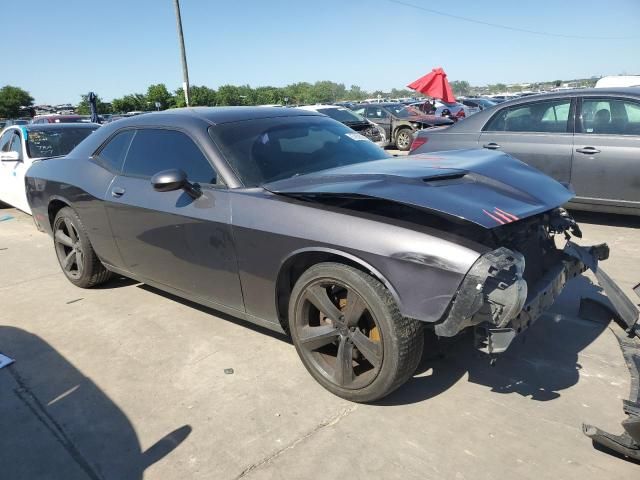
(295, 266)
(54, 207)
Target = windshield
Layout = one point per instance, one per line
(269, 149)
(399, 110)
(342, 115)
(52, 143)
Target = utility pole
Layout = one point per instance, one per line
(185, 71)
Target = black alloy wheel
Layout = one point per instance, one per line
(338, 334)
(350, 334)
(68, 248)
(76, 256)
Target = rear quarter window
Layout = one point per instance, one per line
(111, 155)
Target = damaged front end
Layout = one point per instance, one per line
(501, 297)
(508, 288)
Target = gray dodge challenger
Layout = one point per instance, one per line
(291, 220)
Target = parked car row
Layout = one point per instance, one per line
(589, 138)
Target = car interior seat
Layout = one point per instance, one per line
(601, 121)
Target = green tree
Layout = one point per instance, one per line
(11, 99)
(199, 97)
(461, 87)
(557, 83)
(83, 107)
(269, 95)
(355, 93)
(229, 95)
(159, 93)
(130, 103)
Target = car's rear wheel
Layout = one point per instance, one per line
(350, 334)
(75, 254)
(403, 139)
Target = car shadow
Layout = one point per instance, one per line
(57, 423)
(539, 364)
(211, 311)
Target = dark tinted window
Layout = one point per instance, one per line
(609, 116)
(265, 150)
(154, 150)
(546, 117)
(54, 142)
(113, 153)
(5, 141)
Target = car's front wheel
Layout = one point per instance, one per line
(75, 254)
(404, 137)
(350, 334)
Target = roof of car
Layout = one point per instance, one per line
(216, 115)
(58, 126)
(53, 126)
(634, 91)
(315, 108)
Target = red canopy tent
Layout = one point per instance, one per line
(434, 84)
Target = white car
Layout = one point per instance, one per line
(352, 120)
(20, 145)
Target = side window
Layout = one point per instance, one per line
(360, 111)
(612, 117)
(154, 150)
(16, 143)
(544, 117)
(112, 155)
(5, 141)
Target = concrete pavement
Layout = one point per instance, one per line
(125, 382)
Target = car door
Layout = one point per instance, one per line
(539, 133)
(170, 238)
(606, 157)
(14, 171)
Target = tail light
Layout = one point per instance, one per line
(460, 113)
(418, 142)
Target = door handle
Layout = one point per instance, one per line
(588, 150)
(117, 192)
(491, 146)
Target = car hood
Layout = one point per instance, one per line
(484, 187)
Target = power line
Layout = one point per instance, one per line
(506, 27)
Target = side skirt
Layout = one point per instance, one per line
(276, 327)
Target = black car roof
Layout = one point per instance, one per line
(213, 115)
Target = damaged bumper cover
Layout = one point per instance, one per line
(495, 298)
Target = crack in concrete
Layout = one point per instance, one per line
(24, 393)
(322, 425)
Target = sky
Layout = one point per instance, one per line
(65, 48)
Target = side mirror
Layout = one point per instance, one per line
(10, 156)
(174, 179)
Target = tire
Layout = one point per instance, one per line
(362, 324)
(404, 137)
(76, 256)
